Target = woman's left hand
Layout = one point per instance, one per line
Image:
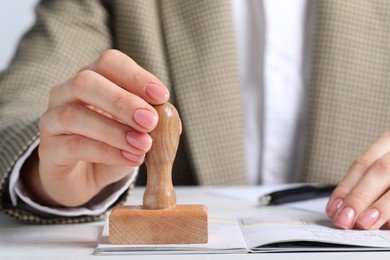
(362, 199)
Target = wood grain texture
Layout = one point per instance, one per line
(159, 220)
(159, 192)
(185, 224)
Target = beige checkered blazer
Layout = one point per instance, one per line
(190, 46)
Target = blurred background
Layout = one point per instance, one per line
(16, 17)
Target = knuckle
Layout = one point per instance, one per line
(109, 131)
(382, 165)
(360, 197)
(106, 58)
(110, 53)
(120, 101)
(74, 144)
(362, 162)
(67, 115)
(104, 150)
(81, 82)
(342, 189)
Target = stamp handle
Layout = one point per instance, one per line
(159, 192)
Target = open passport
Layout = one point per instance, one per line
(262, 234)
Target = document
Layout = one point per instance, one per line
(262, 234)
(284, 234)
(224, 237)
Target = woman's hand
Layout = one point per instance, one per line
(95, 130)
(362, 199)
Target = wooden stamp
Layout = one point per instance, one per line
(159, 220)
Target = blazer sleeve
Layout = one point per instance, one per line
(66, 36)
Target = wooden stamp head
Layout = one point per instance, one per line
(159, 192)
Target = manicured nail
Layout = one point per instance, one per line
(145, 118)
(139, 140)
(157, 92)
(133, 158)
(367, 219)
(345, 218)
(336, 204)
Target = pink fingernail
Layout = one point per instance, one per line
(157, 92)
(133, 158)
(367, 219)
(145, 118)
(139, 140)
(336, 204)
(345, 218)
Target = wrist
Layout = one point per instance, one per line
(30, 177)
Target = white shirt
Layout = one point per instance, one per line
(274, 89)
(273, 63)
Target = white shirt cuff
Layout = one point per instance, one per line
(96, 206)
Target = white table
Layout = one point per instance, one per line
(21, 241)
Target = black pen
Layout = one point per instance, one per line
(300, 193)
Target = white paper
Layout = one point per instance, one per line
(224, 237)
(263, 231)
(263, 234)
(250, 193)
(253, 193)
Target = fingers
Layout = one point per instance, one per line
(361, 166)
(90, 88)
(79, 148)
(125, 72)
(80, 130)
(376, 215)
(117, 85)
(362, 198)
